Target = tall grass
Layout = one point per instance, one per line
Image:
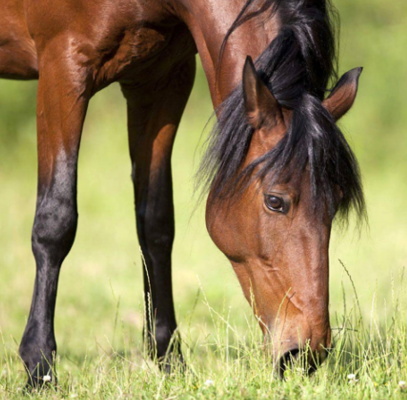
(227, 361)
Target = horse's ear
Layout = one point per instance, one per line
(344, 93)
(261, 106)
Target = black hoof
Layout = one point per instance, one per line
(41, 374)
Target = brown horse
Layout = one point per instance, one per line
(277, 166)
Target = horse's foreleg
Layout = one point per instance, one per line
(62, 101)
(153, 118)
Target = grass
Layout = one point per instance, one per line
(99, 308)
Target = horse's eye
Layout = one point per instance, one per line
(275, 203)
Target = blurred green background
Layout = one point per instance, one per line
(101, 283)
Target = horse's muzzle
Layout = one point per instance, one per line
(305, 359)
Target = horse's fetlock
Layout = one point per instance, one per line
(160, 238)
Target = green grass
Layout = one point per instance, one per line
(99, 308)
(227, 361)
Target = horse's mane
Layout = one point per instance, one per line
(297, 67)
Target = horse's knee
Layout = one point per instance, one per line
(54, 228)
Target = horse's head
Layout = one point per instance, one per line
(275, 228)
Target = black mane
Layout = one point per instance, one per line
(297, 67)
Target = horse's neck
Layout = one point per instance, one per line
(209, 21)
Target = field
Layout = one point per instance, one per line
(99, 312)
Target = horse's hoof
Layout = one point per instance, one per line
(172, 364)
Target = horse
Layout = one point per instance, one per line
(277, 167)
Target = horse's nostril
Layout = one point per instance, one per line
(287, 360)
(307, 360)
